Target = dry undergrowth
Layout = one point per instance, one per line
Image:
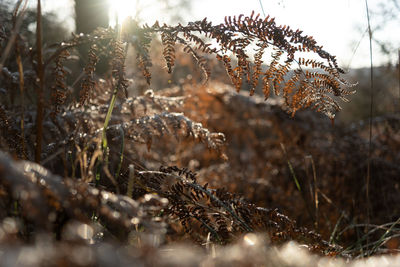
(115, 180)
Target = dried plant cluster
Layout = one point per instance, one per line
(120, 179)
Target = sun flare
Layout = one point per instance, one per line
(121, 9)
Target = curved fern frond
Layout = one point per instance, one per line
(237, 34)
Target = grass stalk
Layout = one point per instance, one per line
(296, 181)
(382, 238)
(335, 229)
(104, 142)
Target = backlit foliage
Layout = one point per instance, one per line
(288, 72)
(122, 179)
(300, 86)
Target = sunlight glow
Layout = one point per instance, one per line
(250, 239)
(120, 10)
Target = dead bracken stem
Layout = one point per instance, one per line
(40, 86)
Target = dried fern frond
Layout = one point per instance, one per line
(118, 65)
(60, 88)
(146, 128)
(200, 60)
(130, 108)
(301, 88)
(132, 33)
(10, 134)
(202, 211)
(88, 82)
(3, 36)
(286, 73)
(168, 40)
(150, 104)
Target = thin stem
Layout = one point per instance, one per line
(381, 240)
(315, 189)
(296, 181)
(21, 88)
(356, 48)
(40, 77)
(398, 69)
(21, 75)
(131, 181)
(104, 142)
(262, 8)
(121, 158)
(108, 118)
(370, 119)
(335, 229)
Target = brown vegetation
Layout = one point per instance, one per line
(196, 163)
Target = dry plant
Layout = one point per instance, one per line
(114, 170)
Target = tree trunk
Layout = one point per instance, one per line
(90, 14)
